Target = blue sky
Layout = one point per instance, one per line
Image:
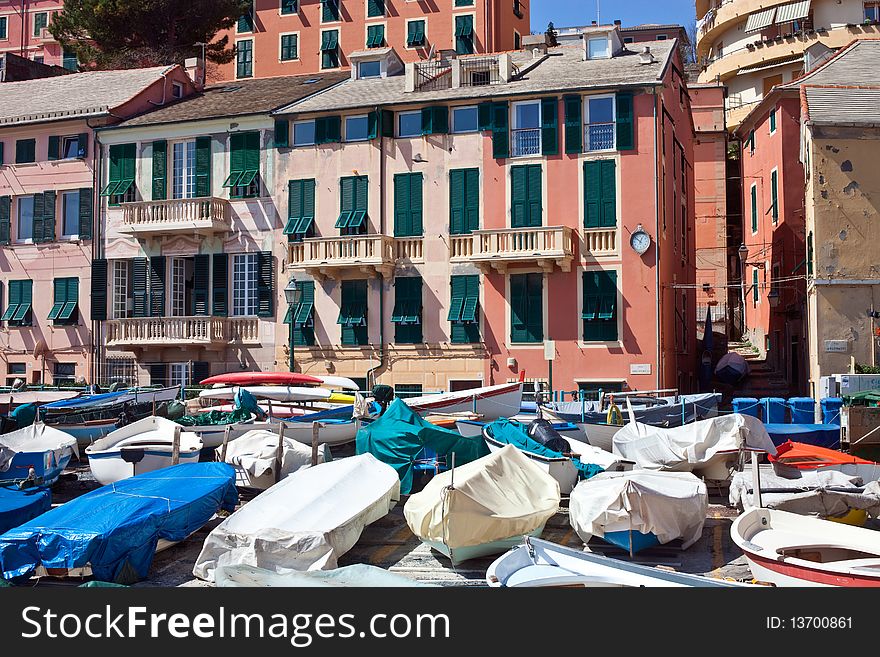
(631, 12)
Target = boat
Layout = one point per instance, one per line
(802, 457)
(113, 532)
(261, 379)
(358, 575)
(304, 522)
(254, 456)
(37, 454)
(731, 368)
(211, 426)
(709, 448)
(335, 426)
(567, 430)
(140, 447)
(338, 383)
(484, 507)
(17, 505)
(491, 402)
(639, 509)
(275, 393)
(789, 549)
(540, 563)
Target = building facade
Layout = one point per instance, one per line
(293, 37)
(456, 233)
(24, 32)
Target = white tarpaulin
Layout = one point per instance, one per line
(669, 505)
(254, 453)
(32, 439)
(306, 521)
(496, 497)
(688, 447)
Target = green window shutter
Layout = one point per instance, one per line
(86, 213)
(375, 8)
(415, 34)
(282, 133)
(592, 194)
(139, 273)
(599, 306)
(625, 127)
(500, 138)
(99, 289)
(220, 285)
(484, 116)
(39, 209)
(608, 208)
(14, 301)
(251, 157)
(289, 47)
(518, 197)
(435, 120)
(294, 205)
(408, 205)
(265, 284)
(49, 218)
(330, 11)
(288, 7)
(387, 119)
(527, 313)
(463, 309)
(375, 36)
(245, 23)
(372, 125)
(464, 34)
(301, 208)
(774, 193)
(54, 147)
(25, 151)
(328, 130)
(5, 222)
(82, 145)
(1, 153)
(353, 314)
(535, 195)
(457, 202)
(303, 317)
(549, 129)
(346, 202)
(157, 286)
(27, 298)
(472, 200)
(201, 284)
(755, 293)
(59, 298)
(773, 120)
(203, 167)
(754, 209)
(407, 314)
(160, 170)
(574, 130)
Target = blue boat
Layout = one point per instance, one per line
(18, 506)
(37, 454)
(113, 532)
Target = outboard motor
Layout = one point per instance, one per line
(542, 431)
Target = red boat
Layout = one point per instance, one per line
(262, 378)
(802, 456)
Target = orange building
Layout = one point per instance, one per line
(24, 31)
(293, 37)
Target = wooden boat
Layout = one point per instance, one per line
(262, 378)
(113, 532)
(275, 393)
(37, 454)
(140, 447)
(792, 456)
(484, 507)
(787, 549)
(491, 402)
(539, 563)
(304, 522)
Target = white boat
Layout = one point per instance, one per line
(491, 402)
(38, 453)
(484, 507)
(139, 447)
(212, 435)
(539, 563)
(330, 431)
(306, 521)
(561, 468)
(254, 457)
(788, 549)
(275, 393)
(569, 431)
(338, 383)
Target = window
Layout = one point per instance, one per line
(183, 171)
(465, 119)
(246, 22)
(25, 151)
(18, 312)
(409, 124)
(302, 316)
(244, 176)
(369, 69)
(526, 133)
(774, 195)
(289, 47)
(179, 305)
(122, 370)
(64, 373)
(751, 141)
(69, 148)
(244, 59)
(628, 40)
(41, 21)
(593, 389)
(526, 205)
(329, 11)
(375, 8)
(65, 301)
(4, 28)
(304, 133)
(600, 194)
(599, 309)
(330, 48)
(176, 90)
(756, 295)
(357, 128)
(16, 368)
(464, 34)
(517, 40)
(754, 208)
(660, 37)
(464, 301)
(464, 201)
(120, 289)
(415, 34)
(772, 120)
(70, 208)
(526, 308)
(599, 123)
(25, 219)
(288, 7)
(353, 192)
(598, 48)
(300, 209)
(872, 11)
(69, 60)
(353, 313)
(464, 3)
(518, 9)
(39, 59)
(375, 36)
(408, 390)
(408, 205)
(120, 187)
(244, 284)
(407, 313)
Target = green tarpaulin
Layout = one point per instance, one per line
(215, 418)
(400, 435)
(864, 398)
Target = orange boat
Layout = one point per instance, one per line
(802, 456)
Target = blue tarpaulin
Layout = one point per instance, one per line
(115, 529)
(823, 435)
(514, 433)
(18, 506)
(85, 401)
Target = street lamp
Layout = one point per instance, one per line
(743, 255)
(293, 296)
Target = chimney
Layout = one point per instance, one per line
(594, 23)
(195, 69)
(645, 57)
(617, 22)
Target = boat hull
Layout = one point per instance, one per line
(212, 436)
(329, 433)
(561, 469)
(466, 553)
(111, 466)
(47, 467)
(492, 402)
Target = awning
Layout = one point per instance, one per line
(298, 225)
(354, 314)
(759, 20)
(793, 12)
(797, 59)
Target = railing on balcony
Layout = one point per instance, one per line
(525, 141)
(599, 136)
(461, 246)
(245, 330)
(480, 71)
(433, 75)
(200, 215)
(409, 248)
(544, 246)
(330, 256)
(600, 241)
(201, 330)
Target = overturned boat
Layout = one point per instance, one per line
(35, 455)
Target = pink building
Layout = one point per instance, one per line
(452, 228)
(48, 176)
(23, 31)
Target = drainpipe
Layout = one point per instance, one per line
(96, 241)
(372, 370)
(657, 245)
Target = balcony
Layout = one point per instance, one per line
(345, 257)
(211, 332)
(525, 141)
(600, 242)
(409, 249)
(546, 247)
(200, 216)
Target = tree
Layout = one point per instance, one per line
(135, 33)
(551, 35)
(689, 50)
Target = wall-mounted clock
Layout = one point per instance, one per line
(640, 241)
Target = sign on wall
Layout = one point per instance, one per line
(836, 346)
(640, 368)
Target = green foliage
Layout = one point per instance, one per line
(135, 33)
(867, 369)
